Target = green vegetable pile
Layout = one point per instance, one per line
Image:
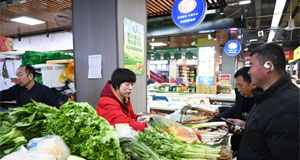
(21, 124)
(138, 150)
(167, 146)
(87, 134)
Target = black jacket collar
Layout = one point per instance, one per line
(260, 94)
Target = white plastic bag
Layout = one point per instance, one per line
(143, 119)
(23, 154)
(53, 145)
(124, 130)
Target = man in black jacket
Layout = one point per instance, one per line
(28, 89)
(272, 127)
(244, 101)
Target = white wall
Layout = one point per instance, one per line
(173, 69)
(55, 41)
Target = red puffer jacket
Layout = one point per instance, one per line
(115, 111)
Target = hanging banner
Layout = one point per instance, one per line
(206, 66)
(232, 48)
(134, 46)
(188, 14)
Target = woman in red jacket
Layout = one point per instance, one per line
(114, 104)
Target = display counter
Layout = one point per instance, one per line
(192, 98)
(173, 106)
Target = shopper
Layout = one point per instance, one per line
(28, 89)
(272, 127)
(114, 103)
(243, 103)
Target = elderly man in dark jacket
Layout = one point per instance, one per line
(272, 127)
(244, 101)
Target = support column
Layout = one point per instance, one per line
(98, 29)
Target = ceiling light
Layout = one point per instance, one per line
(253, 40)
(156, 44)
(209, 36)
(221, 10)
(27, 20)
(279, 6)
(206, 31)
(245, 2)
(211, 11)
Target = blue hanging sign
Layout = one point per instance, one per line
(232, 48)
(188, 14)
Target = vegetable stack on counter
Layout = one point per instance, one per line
(87, 134)
(19, 125)
(92, 137)
(167, 146)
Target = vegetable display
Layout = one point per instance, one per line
(182, 133)
(87, 134)
(169, 147)
(137, 150)
(19, 125)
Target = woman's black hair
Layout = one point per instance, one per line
(244, 73)
(121, 75)
(29, 70)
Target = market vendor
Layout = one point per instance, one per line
(28, 89)
(114, 104)
(242, 106)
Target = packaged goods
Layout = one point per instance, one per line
(53, 145)
(24, 154)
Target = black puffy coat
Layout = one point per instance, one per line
(239, 110)
(272, 127)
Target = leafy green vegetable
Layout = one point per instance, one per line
(138, 150)
(11, 141)
(22, 123)
(87, 134)
(166, 145)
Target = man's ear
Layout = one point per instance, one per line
(30, 76)
(269, 65)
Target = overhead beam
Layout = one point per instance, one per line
(258, 13)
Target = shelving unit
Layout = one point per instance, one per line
(187, 71)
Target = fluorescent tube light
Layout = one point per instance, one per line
(279, 6)
(206, 31)
(156, 44)
(253, 40)
(211, 11)
(27, 20)
(245, 2)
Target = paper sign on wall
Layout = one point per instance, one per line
(95, 66)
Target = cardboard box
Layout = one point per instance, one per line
(6, 44)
